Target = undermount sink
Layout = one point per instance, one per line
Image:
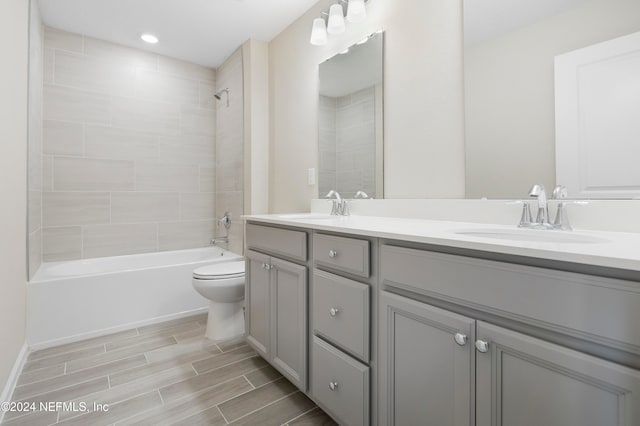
(530, 235)
(307, 216)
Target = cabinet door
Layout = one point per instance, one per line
(289, 320)
(257, 302)
(529, 382)
(426, 376)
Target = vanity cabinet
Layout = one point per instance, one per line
(341, 360)
(427, 366)
(276, 300)
(441, 367)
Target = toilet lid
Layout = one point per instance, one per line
(220, 271)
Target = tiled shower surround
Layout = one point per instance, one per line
(348, 150)
(128, 150)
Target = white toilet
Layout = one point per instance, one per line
(223, 284)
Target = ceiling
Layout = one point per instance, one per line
(205, 32)
(486, 19)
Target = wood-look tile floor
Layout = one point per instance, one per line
(162, 374)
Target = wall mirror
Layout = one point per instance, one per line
(510, 99)
(350, 120)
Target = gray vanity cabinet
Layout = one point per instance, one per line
(276, 298)
(427, 365)
(525, 381)
(257, 302)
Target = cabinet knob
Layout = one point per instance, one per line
(334, 311)
(333, 385)
(460, 339)
(266, 266)
(333, 253)
(482, 346)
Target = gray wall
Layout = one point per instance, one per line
(14, 42)
(129, 152)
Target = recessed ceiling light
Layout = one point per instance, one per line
(149, 38)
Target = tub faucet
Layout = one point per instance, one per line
(219, 240)
(542, 219)
(339, 206)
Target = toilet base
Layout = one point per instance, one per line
(225, 321)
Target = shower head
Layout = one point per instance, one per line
(218, 95)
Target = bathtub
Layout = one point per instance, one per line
(74, 300)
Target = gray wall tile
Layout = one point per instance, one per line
(88, 73)
(166, 177)
(197, 206)
(67, 104)
(120, 144)
(182, 235)
(63, 243)
(131, 207)
(117, 240)
(75, 208)
(85, 174)
(146, 116)
(62, 138)
(130, 149)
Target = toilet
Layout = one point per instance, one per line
(223, 285)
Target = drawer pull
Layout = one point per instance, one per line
(333, 254)
(460, 339)
(482, 346)
(333, 386)
(266, 266)
(333, 312)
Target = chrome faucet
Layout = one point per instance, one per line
(219, 240)
(562, 218)
(339, 206)
(361, 194)
(542, 218)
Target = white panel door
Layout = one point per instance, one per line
(597, 92)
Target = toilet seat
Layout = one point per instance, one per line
(220, 271)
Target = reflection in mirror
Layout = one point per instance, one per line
(510, 114)
(350, 121)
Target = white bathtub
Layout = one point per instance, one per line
(74, 300)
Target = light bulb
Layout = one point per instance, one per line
(356, 12)
(149, 38)
(336, 20)
(318, 32)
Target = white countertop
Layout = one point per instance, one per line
(620, 250)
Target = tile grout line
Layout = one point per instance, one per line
(265, 406)
(221, 413)
(300, 415)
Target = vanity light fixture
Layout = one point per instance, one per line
(356, 12)
(149, 38)
(335, 23)
(318, 32)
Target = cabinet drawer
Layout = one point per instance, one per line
(580, 305)
(341, 312)
(340, 384)
(283, 242)
(343, 254)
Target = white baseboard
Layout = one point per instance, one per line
(111, 330)
(12, 380)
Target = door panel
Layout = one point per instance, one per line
(257, 302)
(426, 377)
(289, 327)
(529, 382)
